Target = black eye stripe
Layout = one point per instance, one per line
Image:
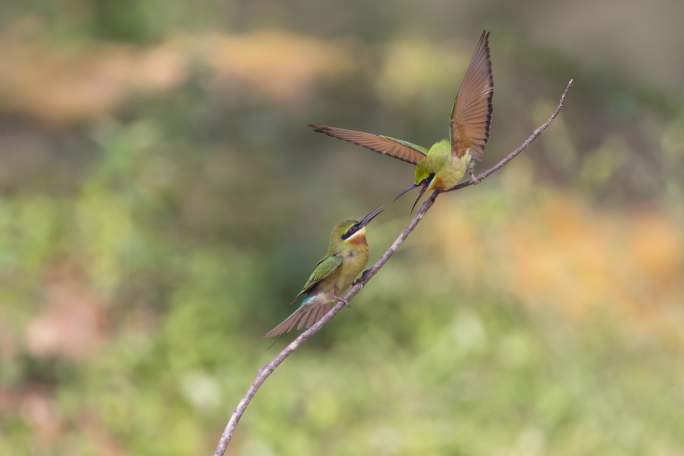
(351, 231)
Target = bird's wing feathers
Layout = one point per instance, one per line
(309, 313)
(323, 269)
(397, 148)
(472, 111)
(408, 144)
(305, 316)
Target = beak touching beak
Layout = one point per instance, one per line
(370, 216)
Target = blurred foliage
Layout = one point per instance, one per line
(161, 200)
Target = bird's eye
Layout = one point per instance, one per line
(351, 231)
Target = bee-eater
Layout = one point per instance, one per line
(446, 162)
(346, 256)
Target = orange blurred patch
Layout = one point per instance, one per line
(563, 253)
(277, 64)
(63, 87)
(60, 87)
(658, 248)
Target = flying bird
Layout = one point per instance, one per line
(444, 164)
(346, 256)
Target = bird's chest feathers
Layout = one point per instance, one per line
(359, 240)
(353, 262)
(355, 257)
(450, 173)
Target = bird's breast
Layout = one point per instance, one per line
(358, 240)
(449, 174)
(353, 263)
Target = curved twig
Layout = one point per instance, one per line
(515, 152)
(268, 369)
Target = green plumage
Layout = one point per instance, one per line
(445, 168)
(324, 268)
(345, 258)
(446, 162)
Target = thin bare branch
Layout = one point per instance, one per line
(515, 152)
(268, 369)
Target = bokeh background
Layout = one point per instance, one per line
(162, 200)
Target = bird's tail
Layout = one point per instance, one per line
(306, 315)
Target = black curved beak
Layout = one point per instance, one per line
(423, 187)
(405, 191)
(370, 216)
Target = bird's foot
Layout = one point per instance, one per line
(473, 177)
(342, 300)
(363, 278)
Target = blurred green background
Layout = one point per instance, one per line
(162, 200)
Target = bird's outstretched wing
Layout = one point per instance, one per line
(309, 312)
(471, 114)
(397, 148)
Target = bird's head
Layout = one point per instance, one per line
(352, 232)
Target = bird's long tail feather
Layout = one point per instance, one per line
(302, 318)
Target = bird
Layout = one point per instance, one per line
(446, 162)
(345, 258)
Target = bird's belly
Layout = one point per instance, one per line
(449, 175)
(319, 296)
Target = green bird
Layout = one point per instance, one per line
(446, 162)
(346, 256)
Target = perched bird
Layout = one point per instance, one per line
(446, 162)
(346, 256)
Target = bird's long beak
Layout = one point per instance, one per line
(405, 191)
(423, 187)
(370, 216)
